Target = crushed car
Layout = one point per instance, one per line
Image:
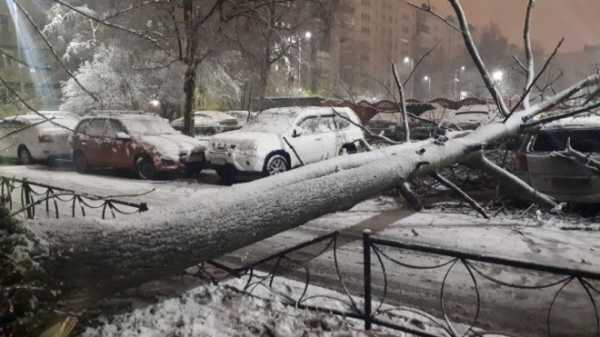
(562, 159)
(279, 139)
(33, 138)
(143, 143)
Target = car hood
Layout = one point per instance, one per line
(239, 136)
(171, 145)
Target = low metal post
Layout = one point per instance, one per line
(367, 277)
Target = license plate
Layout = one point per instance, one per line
(219, 161)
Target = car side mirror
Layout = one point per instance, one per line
(297, 132)
(122, 136)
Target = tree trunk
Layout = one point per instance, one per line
(189, 89)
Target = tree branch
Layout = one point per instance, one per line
(446, 182)
(474, 52)
(402, 104)
(528, 55)
(53, 52)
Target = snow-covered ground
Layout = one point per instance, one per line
(527, 235)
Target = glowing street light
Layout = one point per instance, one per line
(498, 75)
(428, 80)
(308, 35)
(406, 60)
(155, 103)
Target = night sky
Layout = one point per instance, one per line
(576, 20)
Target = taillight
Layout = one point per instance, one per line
(45, 139)
(521, 161)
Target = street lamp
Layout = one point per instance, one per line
(307, 37)
(155, 103)
(498, 75)
(428, 80)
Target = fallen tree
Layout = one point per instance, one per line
(51, 266)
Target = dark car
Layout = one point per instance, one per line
(541, 161)
(144, 143)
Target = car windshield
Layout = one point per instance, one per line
(271, 122)
(148, 127)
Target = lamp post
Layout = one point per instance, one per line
(307, 37)
(428, 80)
(458, 79)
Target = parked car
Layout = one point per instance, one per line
(279, 139)
(144, 143)
(39, 139)
(208, 123)
(471, 116)
(242, 116)
(536, 160)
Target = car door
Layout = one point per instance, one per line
(307, 143)
(116, 146)
(92, 141)
(327, 137)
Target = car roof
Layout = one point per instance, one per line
(579, 122)
(123, 116)
(309, 110)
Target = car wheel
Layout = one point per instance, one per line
(227, 175)
(80, 162)
(145, 168)
(24, 156)
(276, 164)
(348, 149)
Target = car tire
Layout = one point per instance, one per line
(275, 164)
(348, 149)
(144, 168)
(24, 156)
(80, 162)
(227, 175)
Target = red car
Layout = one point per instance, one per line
(144, 143)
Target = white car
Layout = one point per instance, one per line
(207, 123)
(277, 140)
(30, 138)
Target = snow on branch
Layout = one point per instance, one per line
(53, 51)
(529, 55)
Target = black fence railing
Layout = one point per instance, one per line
(295, 263)
(24, 196)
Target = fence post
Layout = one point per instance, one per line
(367, 277)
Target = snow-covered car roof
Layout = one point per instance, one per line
(61, 117)
(277, 120)
(579, 122)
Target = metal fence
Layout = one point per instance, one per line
(24, 196)
(374, 310)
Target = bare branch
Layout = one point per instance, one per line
(429, 9)
(446, 182)
(421, 59)
(530, 84)
(474, 52)
(579, 158)
(365, 129)
(106, 23)
(402, 104)
(52, 51)
(573, 113)
(528, 55)
(514, 181)
(24, 102)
